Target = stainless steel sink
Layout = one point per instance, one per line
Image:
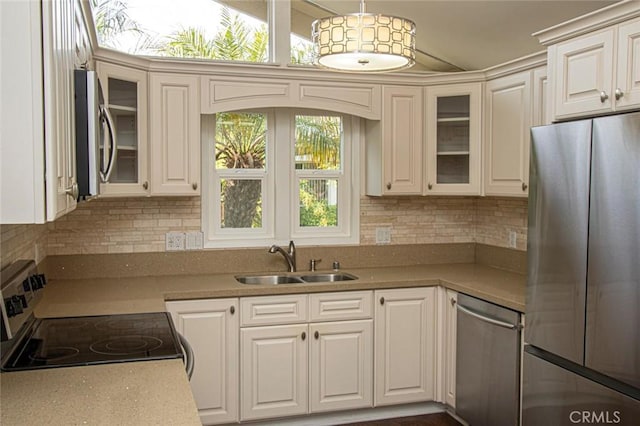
(333, 277)
(294, 279)
(268, 279)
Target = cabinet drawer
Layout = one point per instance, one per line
(271, 310)
(341, 305)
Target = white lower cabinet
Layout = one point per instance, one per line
(341, 365)
(449, 346)
(405, 322)
(301, 367)
(251, 365)
(211, 327)
(273, 371)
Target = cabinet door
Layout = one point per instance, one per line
(583, 73)
(273, 371)
(341, 365)
(58, 36)
(541, 105)
(453, 139)
(175, 135)
(508, 112)
(394, 144)
(449, 329)
(628, 81)
(404, 346)
(125, 96)
(211, 327)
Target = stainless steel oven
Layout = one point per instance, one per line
(29, 343)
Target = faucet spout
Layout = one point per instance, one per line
(289, 256)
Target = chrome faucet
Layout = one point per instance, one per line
(290, 257)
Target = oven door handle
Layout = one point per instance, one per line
(188, 355)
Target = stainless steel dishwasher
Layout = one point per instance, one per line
(487, 363)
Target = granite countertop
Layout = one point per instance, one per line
(68, 297)
(157, 392)
(132, 393)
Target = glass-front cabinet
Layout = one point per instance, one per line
(453, 139)
(123, 139)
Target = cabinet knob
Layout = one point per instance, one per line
(194, 185)
(524, 186)
(453, 301)
(72, 191)
(303, 335)
(145, 185)
(619, 94)
(382, 300)
(316, 335)
(388, 185)
(430, 185)
(603, 97)
(232, 310)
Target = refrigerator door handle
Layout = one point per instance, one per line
(487, 319)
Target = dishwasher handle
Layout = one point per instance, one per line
(486, 319)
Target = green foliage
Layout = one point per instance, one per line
(315, 212)
(320, 137)
(233, 42)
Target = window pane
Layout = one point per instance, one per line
(240, 203)
(318, 142)
(303, 13)
(241, 141)
(318, 202)
(220, 30)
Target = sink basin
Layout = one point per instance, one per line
(333, 277)
(268, 279)
(294, 279)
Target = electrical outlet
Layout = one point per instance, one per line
(512, 239)
(194, 240)
(175, 241)
(383, 235)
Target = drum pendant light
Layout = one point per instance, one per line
(364, 42)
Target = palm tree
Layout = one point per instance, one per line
(111, 19)
(241, 144)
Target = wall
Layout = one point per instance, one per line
(132, 225)
(22, 242)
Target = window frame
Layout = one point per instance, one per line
(280, 208)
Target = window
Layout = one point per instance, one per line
(205, 29)
(224, 30)
(276, 175)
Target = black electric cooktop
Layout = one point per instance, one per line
(75, 341)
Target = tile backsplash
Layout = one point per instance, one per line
(132, 225)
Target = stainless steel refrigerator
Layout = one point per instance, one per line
(582, 324)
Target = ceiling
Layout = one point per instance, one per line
(470, 35)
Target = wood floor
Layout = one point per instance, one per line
(438, 419)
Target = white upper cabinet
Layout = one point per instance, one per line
(628, 78)
(394, 144)
(59, 43)
(174, 134)
(594, 62)
(124, 157)
(508, 121)
(583, 69)
(453, 132)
